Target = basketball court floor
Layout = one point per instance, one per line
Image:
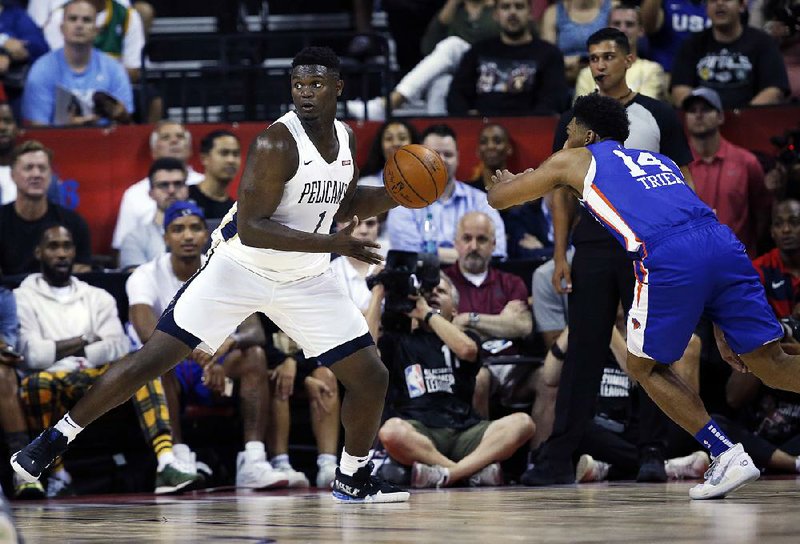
(767, 511)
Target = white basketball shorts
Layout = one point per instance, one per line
(313, 311)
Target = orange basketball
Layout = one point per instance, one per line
(415, 176)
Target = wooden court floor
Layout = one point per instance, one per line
(767, 511)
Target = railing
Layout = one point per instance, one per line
(231, 78)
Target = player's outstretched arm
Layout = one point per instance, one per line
(567, 167)
(362, 201)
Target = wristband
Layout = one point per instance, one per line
(430, 314)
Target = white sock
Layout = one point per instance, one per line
(350, 464)
(255, 447)
(281, 461)
(68, 427)
(164, 459)
(797, 463)
(326, 459)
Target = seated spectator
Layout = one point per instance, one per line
(150, 289)
(643, 76)
(431, 377)
(515, 73)
(9, 131)
(668, 23)
(70, 334)
(492, 304)
(391, 136)
(221, 155)
(40, 11)
(77, 85)
(351, 272)
(119, 33)
(568, 25)
(779, 268)
(22, 221)
(459, 24)
(12, 415)
(405, 226)
(494, 150)
(741, 63)
(726, 177)
(528, 225)
(21, 43)
(168, 139)
(167, 186)
(322, 389)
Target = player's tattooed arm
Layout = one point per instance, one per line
(362, 201)
(271, 162)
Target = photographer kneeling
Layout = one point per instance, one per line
(432, 367)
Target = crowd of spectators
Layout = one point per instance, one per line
(492, 362)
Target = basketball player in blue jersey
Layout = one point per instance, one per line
(686, 263)
(271, 254)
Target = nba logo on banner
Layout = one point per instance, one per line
(414, 381)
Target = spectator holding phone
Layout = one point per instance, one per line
(77, 85)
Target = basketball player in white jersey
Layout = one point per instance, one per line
(271, 254)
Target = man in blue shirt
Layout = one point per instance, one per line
(405, 226)
(77, 85)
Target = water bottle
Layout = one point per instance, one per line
(429, 239)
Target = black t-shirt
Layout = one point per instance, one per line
(214, 209)
(737, 71)
(655, 127)
(499, 79)
(614, 399)
(18, 238)
(427, 382)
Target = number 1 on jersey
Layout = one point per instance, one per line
(321, 217)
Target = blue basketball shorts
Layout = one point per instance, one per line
(700, 268)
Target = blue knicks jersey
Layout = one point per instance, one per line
(639, 196)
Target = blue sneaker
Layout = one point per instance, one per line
(34, 458)
(362, 487)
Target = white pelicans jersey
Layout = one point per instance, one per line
(310, 200)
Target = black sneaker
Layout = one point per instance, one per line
(651, 466)
(34, 458)
(546, 473)
(362, 487)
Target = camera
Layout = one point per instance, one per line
(406, 274)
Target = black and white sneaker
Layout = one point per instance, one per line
(362, 487)
(34, 458)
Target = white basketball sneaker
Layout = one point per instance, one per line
(295, 477)
(728, 472)
(253, 471)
